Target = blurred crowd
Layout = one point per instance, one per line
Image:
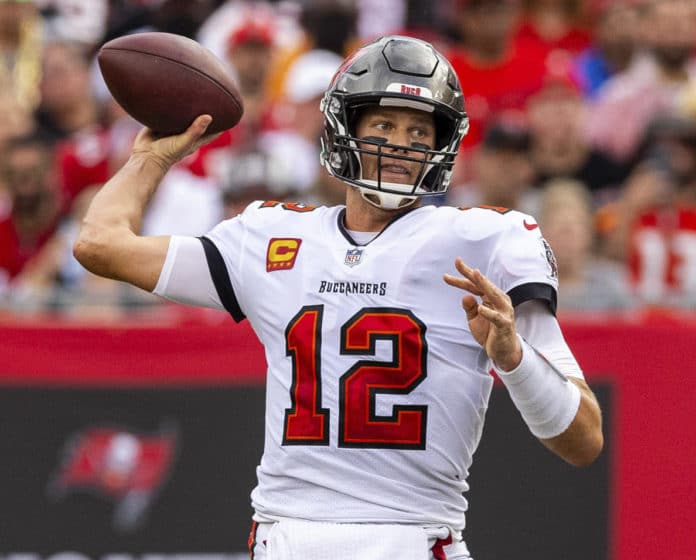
(583, 114)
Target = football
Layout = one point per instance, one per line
(165, 81)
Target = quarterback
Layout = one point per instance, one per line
(382, 320)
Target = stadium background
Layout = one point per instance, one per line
(130, 428)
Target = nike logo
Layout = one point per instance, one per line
(530, 227)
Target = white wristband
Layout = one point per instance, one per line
(546, 399)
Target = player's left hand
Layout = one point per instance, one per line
(492, 322)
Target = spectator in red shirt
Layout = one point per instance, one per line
(559, 148)
(249, 51)
(496, 72)
(554, 25)
(662, 239)
(35, 206)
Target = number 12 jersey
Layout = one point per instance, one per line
(376, 389)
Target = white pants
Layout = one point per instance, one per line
(293, 539)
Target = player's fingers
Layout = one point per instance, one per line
(470, 306)
(463, 268)
(494, 294)
(497, 318)
(462, 284)
(199, 126)
(478, 279)
(466, 281)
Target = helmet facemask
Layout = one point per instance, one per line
(342, 150)
(393, 71)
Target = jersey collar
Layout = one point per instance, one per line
(342, 227)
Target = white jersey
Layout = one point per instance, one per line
(376, 389)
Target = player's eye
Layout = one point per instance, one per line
(383, 125)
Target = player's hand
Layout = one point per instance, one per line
(167, 150)
(492, 322)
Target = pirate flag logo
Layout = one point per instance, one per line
(123, 466)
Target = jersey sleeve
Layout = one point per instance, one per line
(523, 264)
(224, 248)
(185, 277)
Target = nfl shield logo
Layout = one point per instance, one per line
(353, 257)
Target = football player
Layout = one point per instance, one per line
(377, 381)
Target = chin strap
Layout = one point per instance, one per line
(387, 201)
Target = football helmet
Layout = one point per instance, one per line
(399, 72)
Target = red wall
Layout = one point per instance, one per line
(650, 359)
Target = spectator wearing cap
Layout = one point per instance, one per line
(559, 147)
(655, 83)
(282, 162)
(250, 52)
(496, 72)
(292, 149)
(501, 169)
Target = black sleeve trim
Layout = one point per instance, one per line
(221, 279)
(534, 290)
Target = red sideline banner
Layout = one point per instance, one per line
(647, 359)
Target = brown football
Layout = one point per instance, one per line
(165, 81)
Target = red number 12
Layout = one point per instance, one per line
(307, 423)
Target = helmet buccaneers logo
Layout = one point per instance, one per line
(410, 90)
(126, 467)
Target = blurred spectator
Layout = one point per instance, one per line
(16, 120)
(250, 52)
(282, 17)
(83, 21)
(380, 17)
(26, 165)
(20, 71)
(71, 116)
(247, 37)
(554, 25)
(654, 84)
(276, 162)
(308, 78)
(615, 41)
(286, 159)
(501, 170)
(662, 239)
(183, 205)
(586, 282)
(328, 25)
(182, 17)
(125, 16)
(68, 104)
(496, 72)
(20, 54)
(649, 186)
(559, 148)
